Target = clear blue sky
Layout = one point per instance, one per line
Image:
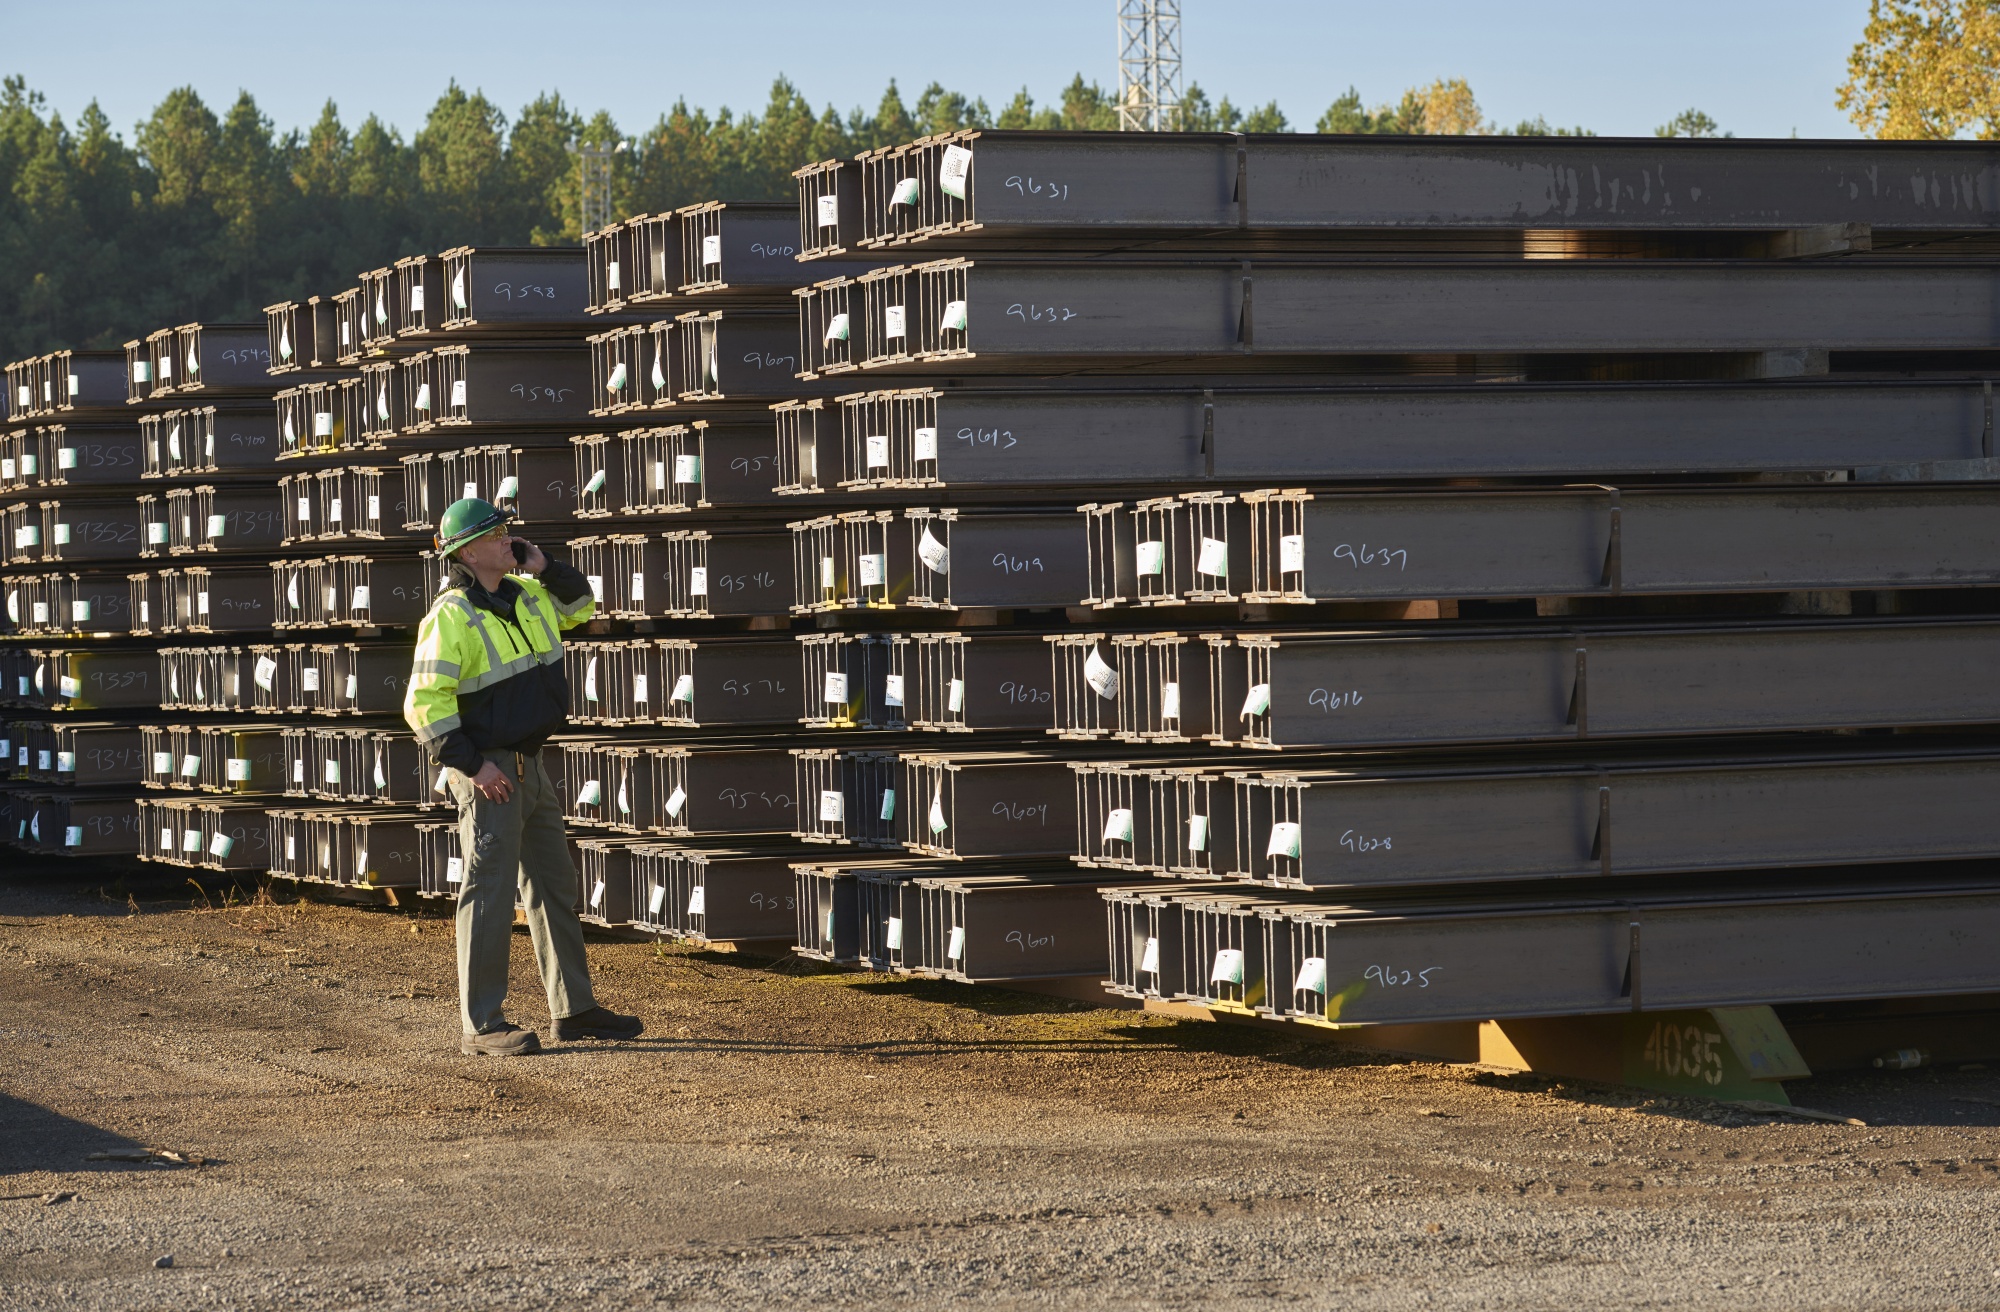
(1759, 67)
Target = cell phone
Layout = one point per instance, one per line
(520, 552)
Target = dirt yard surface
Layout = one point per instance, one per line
(789, 1137)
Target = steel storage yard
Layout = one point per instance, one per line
(1565, 568)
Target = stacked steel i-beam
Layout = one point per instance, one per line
(1343, 579)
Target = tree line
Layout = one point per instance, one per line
(211, 216)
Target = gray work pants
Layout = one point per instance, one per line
(510, 845)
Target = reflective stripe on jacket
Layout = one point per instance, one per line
(481, 682)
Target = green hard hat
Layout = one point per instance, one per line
(467, 519)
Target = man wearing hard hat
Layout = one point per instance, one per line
(486, 691)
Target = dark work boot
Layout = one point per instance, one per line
(597, 1023)
(502, 1041)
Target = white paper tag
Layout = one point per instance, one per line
(874, 570)
(163, 762)
(826, 571)
(596, 483)
(374, 509)
(659, 372)
(687, 468)
(1291, 553)
(590, 680)
(697, 580)
(590, 794)
(191, 840)
(217, 525)
(953, 171)
(264, 673)
(30, 535)
(1257, 702)
(66, 457)
(954, 696)
(892, 322)
(1101, 676)
(1151, 557)
(832, 806)
(423, 398)
(1228, 967)
(675, 802)
(190, 766)
(934, 554)
(142, 372)
(888, 804)
(1214, 558)
(156, 533)
(7, 467)
(417, 298)
(332, 771)
(597, 895)
(1197, 833)
(924, 444)
(936, 817)
(1118, 826)
(638, 587)
(309, 678)
(220, 845)
(826, 211)
(292, 591)
(79, 612)
(596, 588)
(698, 900)
(954, 317)
(892, 694)
(836, 687)
(639, 686)
(611, 276)
(299, 771)
(353, 689)
(73, 837)
(69, 686)
(458, 394)
(1170, 701)
(711, 249)
(454, 870)
(908, 191)
(836, 329)
(1285, 839)
(955, 949)
(65, 762)
(305, 509)
(1311, 977)
(1149, 957)
(683, 690)
(877, 445)
(616, 382)
(656, 899)
(62, 535)
(892, 934)
(237, 769)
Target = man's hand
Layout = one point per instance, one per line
(493, 783)
(536, 562)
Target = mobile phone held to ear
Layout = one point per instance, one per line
(520, 552)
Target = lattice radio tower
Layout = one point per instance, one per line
(595, 164)
(1149, 65)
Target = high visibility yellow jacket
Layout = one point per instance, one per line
(488, 673)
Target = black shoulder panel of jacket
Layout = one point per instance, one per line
(564, 581)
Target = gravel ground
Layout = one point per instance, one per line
(789, 1136)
